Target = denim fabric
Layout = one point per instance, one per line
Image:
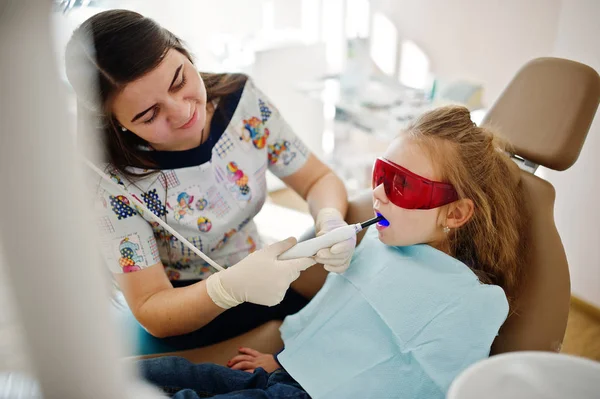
(184, 380)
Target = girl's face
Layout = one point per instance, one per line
(167, 106)
(409, 226)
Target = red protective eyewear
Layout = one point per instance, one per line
(408, 190)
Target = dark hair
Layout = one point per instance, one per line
(112, 49)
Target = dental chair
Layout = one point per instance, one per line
(546, 112)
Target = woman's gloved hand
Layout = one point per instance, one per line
(258, 278)
(337, 258)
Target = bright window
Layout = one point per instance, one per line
(384, 43)
(414, 66)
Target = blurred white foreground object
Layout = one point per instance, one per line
(61, 289)
(529, 375)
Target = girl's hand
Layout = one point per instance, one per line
(248, 360)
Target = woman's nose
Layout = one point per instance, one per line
(179, 112)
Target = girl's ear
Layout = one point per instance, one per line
(459, 213)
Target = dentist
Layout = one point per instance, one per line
(195, 147)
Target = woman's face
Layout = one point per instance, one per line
(408, 226)
(167, 106)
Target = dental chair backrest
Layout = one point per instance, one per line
(545, 112)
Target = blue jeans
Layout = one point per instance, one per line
(185, 380)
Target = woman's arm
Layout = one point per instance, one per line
(259, 278)
(319, 186)
(163, 310)
(322, 189)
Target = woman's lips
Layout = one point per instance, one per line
(192, 120)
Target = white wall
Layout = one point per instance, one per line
(197, 22)
(578, 189)
(481, 40)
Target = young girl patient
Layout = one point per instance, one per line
(424, 296)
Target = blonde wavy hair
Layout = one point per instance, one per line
(474, 160)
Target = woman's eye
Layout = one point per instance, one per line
(152, 118)
(182, 83)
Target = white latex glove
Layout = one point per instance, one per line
(337, 258)
(259, 278)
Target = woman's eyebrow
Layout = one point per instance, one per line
(138, 116)
(175, 76)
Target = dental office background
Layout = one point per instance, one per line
(347, 74)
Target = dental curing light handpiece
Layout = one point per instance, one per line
(311, 247)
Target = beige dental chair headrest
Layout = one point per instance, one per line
(547, 109)
(545, 112)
